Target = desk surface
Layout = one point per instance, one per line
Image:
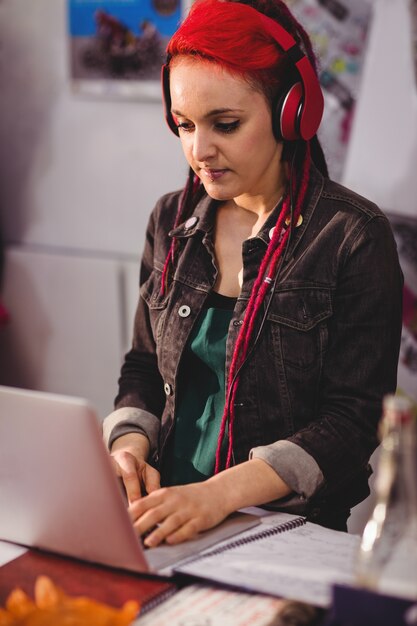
(115, 587)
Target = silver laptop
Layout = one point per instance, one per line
(58, 491)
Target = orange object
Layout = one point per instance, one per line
(52, 607)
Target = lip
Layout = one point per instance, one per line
(213, 174)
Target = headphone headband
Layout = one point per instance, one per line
(299, 111)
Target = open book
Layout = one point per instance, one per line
(284, 556)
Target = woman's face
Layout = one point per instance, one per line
(226, 132)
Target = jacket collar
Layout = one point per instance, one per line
(202, 219)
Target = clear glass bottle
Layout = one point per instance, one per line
(387, 558)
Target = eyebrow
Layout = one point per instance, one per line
(211, 113)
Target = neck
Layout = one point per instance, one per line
(259, 205)
(263, 203)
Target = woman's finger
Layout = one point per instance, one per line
(151, 501)
(151, 479)
(144, 522)
(169, 526)
(128, 471)
(187, 531)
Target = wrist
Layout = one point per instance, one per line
(224, 490)
(251, 483)
(135, 443)
(218, 492)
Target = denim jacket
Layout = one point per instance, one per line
(309, 396)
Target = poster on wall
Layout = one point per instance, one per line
(339, 31)
(117, 47)
(405, 232)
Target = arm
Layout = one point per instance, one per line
(129, 454)
(359, 368)
(140, 383)
(128, 433)
(141, 399)
(131, 431)
(181, 512)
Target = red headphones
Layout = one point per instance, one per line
(298, 113)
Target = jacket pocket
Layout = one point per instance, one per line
(298, 325)
(157, 303)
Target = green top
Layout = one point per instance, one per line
(192, 452)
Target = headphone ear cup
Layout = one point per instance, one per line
(288, 113)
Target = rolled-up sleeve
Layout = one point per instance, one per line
(131, 420)
(297, 468)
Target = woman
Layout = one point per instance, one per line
(264, 283)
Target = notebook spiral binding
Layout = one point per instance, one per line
(261, 534)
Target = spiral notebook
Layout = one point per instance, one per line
(285, 556)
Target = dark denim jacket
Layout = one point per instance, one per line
(327, 352)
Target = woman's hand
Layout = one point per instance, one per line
(128, 455)
(178, 513)
(175, 514)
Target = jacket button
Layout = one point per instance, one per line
(184, 310)
(192, 221)
(299, 221)
(271, 233)
(168, 389)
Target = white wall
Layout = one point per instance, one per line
(382, 157)
(75, 173)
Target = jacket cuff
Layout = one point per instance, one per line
(293, 464)
(131, 420)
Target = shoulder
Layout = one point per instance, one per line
(352, 215)
(347, 221)
(162, 218)
(344, 199)
(164, 215)
(165, 210)
(157, 241)
(168, 199)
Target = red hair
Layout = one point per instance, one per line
(231, 34)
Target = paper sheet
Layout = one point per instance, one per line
(301, 564)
